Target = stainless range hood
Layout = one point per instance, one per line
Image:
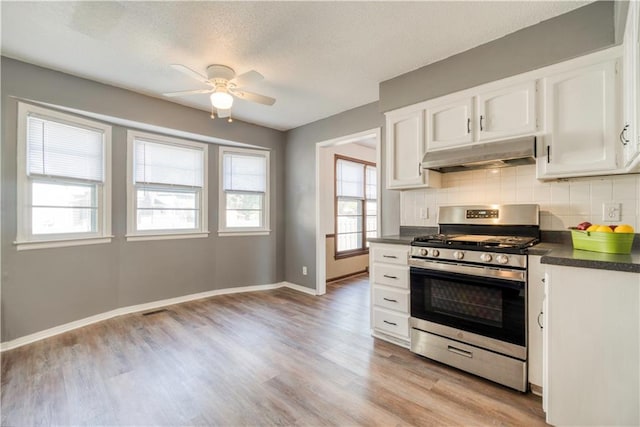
(512, 152)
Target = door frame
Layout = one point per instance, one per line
(321, 261)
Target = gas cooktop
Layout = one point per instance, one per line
(475, 240)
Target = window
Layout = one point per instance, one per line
(244, 198)
(356, 205)
(64, 179)
(167, 187)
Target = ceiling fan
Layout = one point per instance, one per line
(224, 84)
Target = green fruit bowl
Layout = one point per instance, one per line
(610, 243)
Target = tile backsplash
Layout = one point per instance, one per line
(563, 203)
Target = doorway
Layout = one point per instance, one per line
(335, 257)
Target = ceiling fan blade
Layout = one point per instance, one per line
(224, 113)
(188, 92)
(248, 78)
(254, 97)
(189, 72)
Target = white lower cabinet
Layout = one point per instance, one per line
(592, 347)
(389, 280)
(535, 298)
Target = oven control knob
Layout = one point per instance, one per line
(458, 255)
(435, 252)
(502, 259)
(485, 257)
(424, 252)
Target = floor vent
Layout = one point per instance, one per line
(149, 313)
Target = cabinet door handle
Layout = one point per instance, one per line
(390, 323)
(390, 256)
(390, 277)
(481, 118)
(540, 324)
(623, 137)
(468, 125)
(548, 154)
(390, 300)
(419, 169)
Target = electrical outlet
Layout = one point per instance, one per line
(424, 213)
(304, 270)
(611, 211)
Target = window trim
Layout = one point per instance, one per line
(133, 234)
(359, 251)
(223, 230)
(24, 235)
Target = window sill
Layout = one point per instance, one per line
(144, 237)
(351, 254)
(224, 233)
(46, 244)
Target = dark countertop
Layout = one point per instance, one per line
(565, 255)
(394, 240)
(559, 254)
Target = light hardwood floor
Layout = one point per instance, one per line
(265, 358)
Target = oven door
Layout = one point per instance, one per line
(488, 302)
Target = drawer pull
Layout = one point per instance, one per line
(390, 323)
(390, 277)
(390, 300)
(390, 256)
(460, 352)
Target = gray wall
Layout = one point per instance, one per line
(47, 287)
(581, 31)
(577, 33)
(300, 187)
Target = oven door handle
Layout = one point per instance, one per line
(510, 279)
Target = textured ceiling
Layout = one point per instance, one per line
(318, 58)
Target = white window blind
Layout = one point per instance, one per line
(157, 163)
(371, 190)
(349, 179)
(59, 150)
(245, 173)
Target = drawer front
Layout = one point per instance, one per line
(391, 275)
(390, 254)
(390, 322)
(391, 298)
(496, 367)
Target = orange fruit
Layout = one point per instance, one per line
(624, 228)
(604, 229)
(594, 227)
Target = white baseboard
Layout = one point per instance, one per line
(28, 339)
(299, 288)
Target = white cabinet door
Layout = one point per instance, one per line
(450, 124)
(593, 370)
(582, 122)
(405, 149)
(630, 134)
(507, 112)
(635, 148)
(535, 297)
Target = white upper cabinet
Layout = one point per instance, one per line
(582, 125)
(497, 114)
(630, 134)
(507, 112)
(405, 149)
(449, 123)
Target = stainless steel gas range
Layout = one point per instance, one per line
(469, 290)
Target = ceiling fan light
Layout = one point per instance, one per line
(221, 100)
